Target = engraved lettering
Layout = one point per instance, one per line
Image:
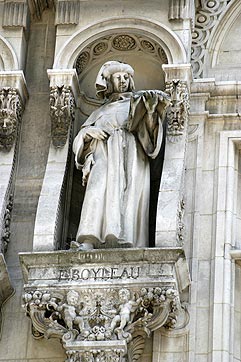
(125, 274)
(95, 272)
(75, 274)
(85, 274)
(113, 273)
(135, 272)
(64, 274)
(106, 273)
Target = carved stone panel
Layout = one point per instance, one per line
(177, 114)
(10, 115)
(61, 113)
(103, 304)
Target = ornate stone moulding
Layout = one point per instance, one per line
(207, 16)
(113, 44)
(103, 304)
(63, 93)
(177, 114)
(13, 94)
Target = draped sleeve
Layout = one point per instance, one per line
(148, 127)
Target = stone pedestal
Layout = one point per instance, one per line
(103, 304)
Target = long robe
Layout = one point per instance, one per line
(115, 210)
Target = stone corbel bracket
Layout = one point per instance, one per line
(63, 89)
(103, 303)
(13, 94)
(64, 94)
(6, 289)
(177, 113)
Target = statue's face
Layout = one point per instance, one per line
(6, 126)
(120, 82)
(72, 299)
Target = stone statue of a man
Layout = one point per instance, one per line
(112, 149)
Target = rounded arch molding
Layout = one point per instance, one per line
(8, 58)
(158, 32)
(227, 19)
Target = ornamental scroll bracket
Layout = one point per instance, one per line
(177, 113)
(61, 113)
(11, 109)
(86, 306)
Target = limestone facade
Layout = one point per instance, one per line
(178, 299)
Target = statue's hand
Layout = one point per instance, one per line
(95, 132)
(150, 99)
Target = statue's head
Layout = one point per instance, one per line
(7, 123)
(114, 77)
(72, 297)
(8, 128)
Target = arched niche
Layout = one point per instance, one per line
(8, 58)
(170, 42)
(146, 56)
(224, 45)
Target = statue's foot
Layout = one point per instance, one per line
(74, 245)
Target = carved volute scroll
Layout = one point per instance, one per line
(101, 308)
(10, 116)
(177, 114)
(61, 113)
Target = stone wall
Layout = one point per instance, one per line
(196, 189)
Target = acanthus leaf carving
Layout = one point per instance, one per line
(100, 318)
(11, 109)
(177, 113)
(61, 113)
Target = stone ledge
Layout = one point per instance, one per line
(98, 299)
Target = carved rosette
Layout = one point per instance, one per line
(61, 113)
(11, 109)
(122, 43)
(177, 113)
(111, 324)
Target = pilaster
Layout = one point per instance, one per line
(64, 91)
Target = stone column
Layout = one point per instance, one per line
(64, 90)
(13, 94)
(171, 203)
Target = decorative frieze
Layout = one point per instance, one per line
(11, 109)
(15, 14)
(61, 113)
(67, 12)
(177, 113)
(103, 303)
